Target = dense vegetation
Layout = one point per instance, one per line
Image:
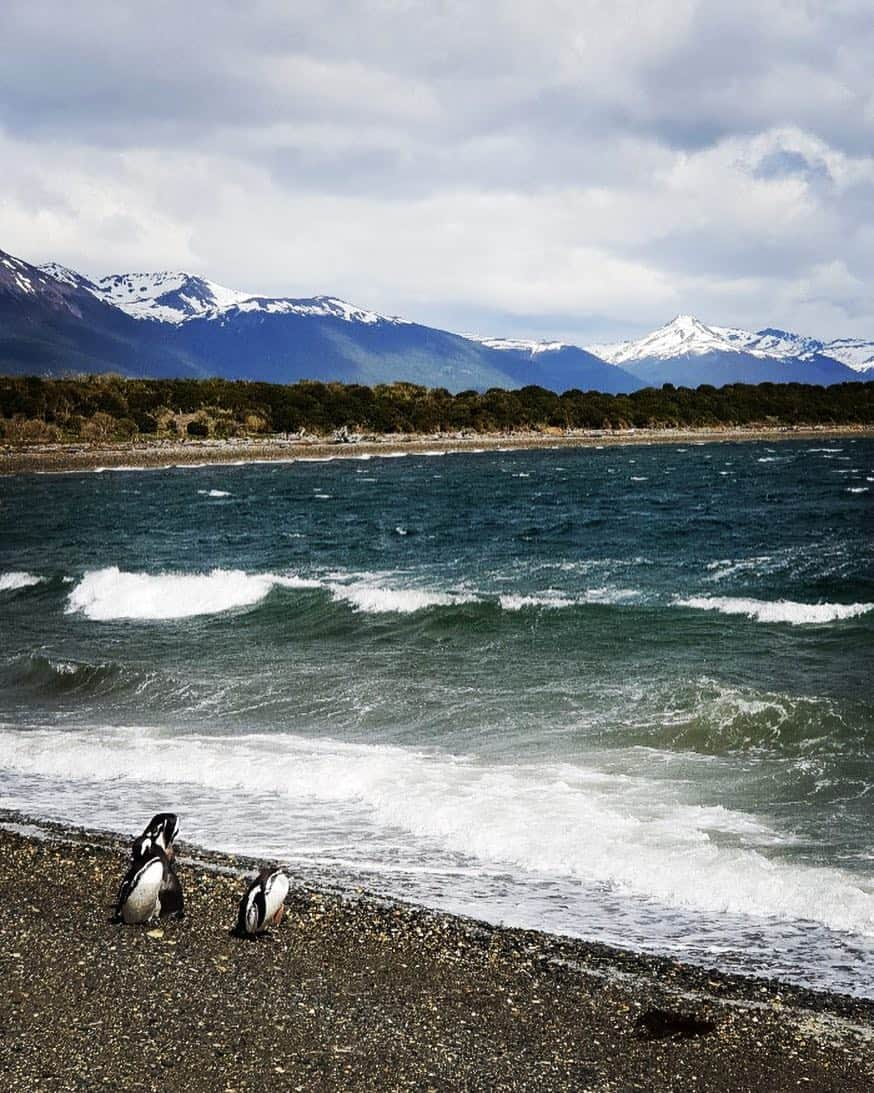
(99, 408)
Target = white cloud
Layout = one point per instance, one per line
(566, 162)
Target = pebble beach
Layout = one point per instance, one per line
(353, 992)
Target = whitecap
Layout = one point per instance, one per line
(214, 493)
(377, 600)
(106, 594)
(11, 582)
(796, 614)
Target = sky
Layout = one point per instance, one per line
(548, 169)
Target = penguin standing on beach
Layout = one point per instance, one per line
(151, 887)
(162, 831)
(263, 903)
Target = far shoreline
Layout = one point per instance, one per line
(158, 454)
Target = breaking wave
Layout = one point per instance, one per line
(108, 594)
(11, 582)
(795, 614)
(617, 832)
(373, 599)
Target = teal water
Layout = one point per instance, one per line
(623, 694)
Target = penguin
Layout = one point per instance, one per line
(155, 844)
(263, 903)
(139, 898)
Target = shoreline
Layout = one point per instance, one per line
(163, 454)
(356, 991)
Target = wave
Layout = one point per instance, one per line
(214, 493)
(552, 600)
(796, 614)
(59, 677)
(710, 717)
(12, 582)
(621, 833)
(107, 594)
(373, 599)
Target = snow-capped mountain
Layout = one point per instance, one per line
(176, 297)
(55, 321)
(686, 336)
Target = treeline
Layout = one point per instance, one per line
(108, 407)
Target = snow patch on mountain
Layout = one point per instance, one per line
(518, 344)
(855, 353)
(169, 297)
(16, 273)
(326, 306)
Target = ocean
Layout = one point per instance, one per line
(623, 694)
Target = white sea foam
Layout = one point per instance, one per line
(605, 831)
(545, 599)
(796, 614)
(857, 489)
(110, 593)
(553, 599)
(214, 493)
(11, 582)
(376, 600)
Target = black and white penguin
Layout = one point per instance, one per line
(150, 850)
(139, 898)
(263, 903)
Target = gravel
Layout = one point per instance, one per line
(354, 992)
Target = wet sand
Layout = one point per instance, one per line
(352, 992)
(48, 458)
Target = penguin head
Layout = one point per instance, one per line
(163, 828)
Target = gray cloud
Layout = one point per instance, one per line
(565, 168)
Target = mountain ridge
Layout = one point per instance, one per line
(54, 320)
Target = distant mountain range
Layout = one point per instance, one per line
(55, 321)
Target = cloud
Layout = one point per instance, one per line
(593, 167)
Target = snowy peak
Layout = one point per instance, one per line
(177, 297)
(167, 297)
(684, 336)
(66, 276)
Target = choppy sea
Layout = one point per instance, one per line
(623, 694)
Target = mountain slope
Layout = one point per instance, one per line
(52, 323)
(560, 367)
